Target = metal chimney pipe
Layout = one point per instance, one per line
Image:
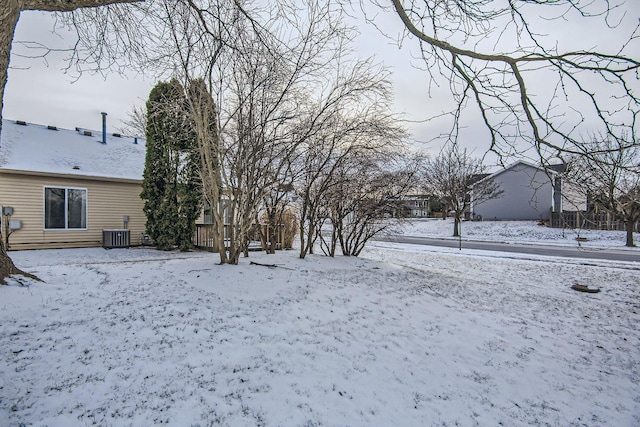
(104, 127)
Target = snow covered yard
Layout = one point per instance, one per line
(523, 232)
(398, 337)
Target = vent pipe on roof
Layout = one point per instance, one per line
(104, 127)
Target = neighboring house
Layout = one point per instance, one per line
(568, 196)
(410, 206)
(529, 193)
(64, 187)
(415, 206)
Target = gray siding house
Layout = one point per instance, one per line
(529, 193)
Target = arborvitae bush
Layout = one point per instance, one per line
(171, 183)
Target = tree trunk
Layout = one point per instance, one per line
(271, 227)
(8, 268)
(301, 231)
(9, 14)
(456, 225)
(313, 238)
(630, 226)
(205, 115)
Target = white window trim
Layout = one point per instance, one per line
(66, 213)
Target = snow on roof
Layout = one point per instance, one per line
(512, 166)
(38, 148)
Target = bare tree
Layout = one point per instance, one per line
(450, 175)
(277, 202)
(136, 123)
(351, 125)
(494, 55)
(261, 84)
(204, 113)
(362, 204)
(611, 178)
(273, 84)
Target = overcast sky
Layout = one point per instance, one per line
(39, 91)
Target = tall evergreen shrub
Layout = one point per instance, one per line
(171, 183)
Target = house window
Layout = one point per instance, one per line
(208, 213)
(209, 218)
(65, 208)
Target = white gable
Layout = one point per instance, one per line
(37, 148)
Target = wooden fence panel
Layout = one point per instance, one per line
(204, 238)
(588, 221)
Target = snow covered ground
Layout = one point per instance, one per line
(523, 232)
(401, 336)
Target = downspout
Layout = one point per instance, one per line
(556, 194)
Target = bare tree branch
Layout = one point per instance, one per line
(502, 85)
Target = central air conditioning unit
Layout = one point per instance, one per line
(116, 238)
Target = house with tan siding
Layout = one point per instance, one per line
(61, 188)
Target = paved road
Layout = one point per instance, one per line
(553, 251)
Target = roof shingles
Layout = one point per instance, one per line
(37, 148)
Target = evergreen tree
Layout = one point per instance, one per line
(171, 188)
(189, 198)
